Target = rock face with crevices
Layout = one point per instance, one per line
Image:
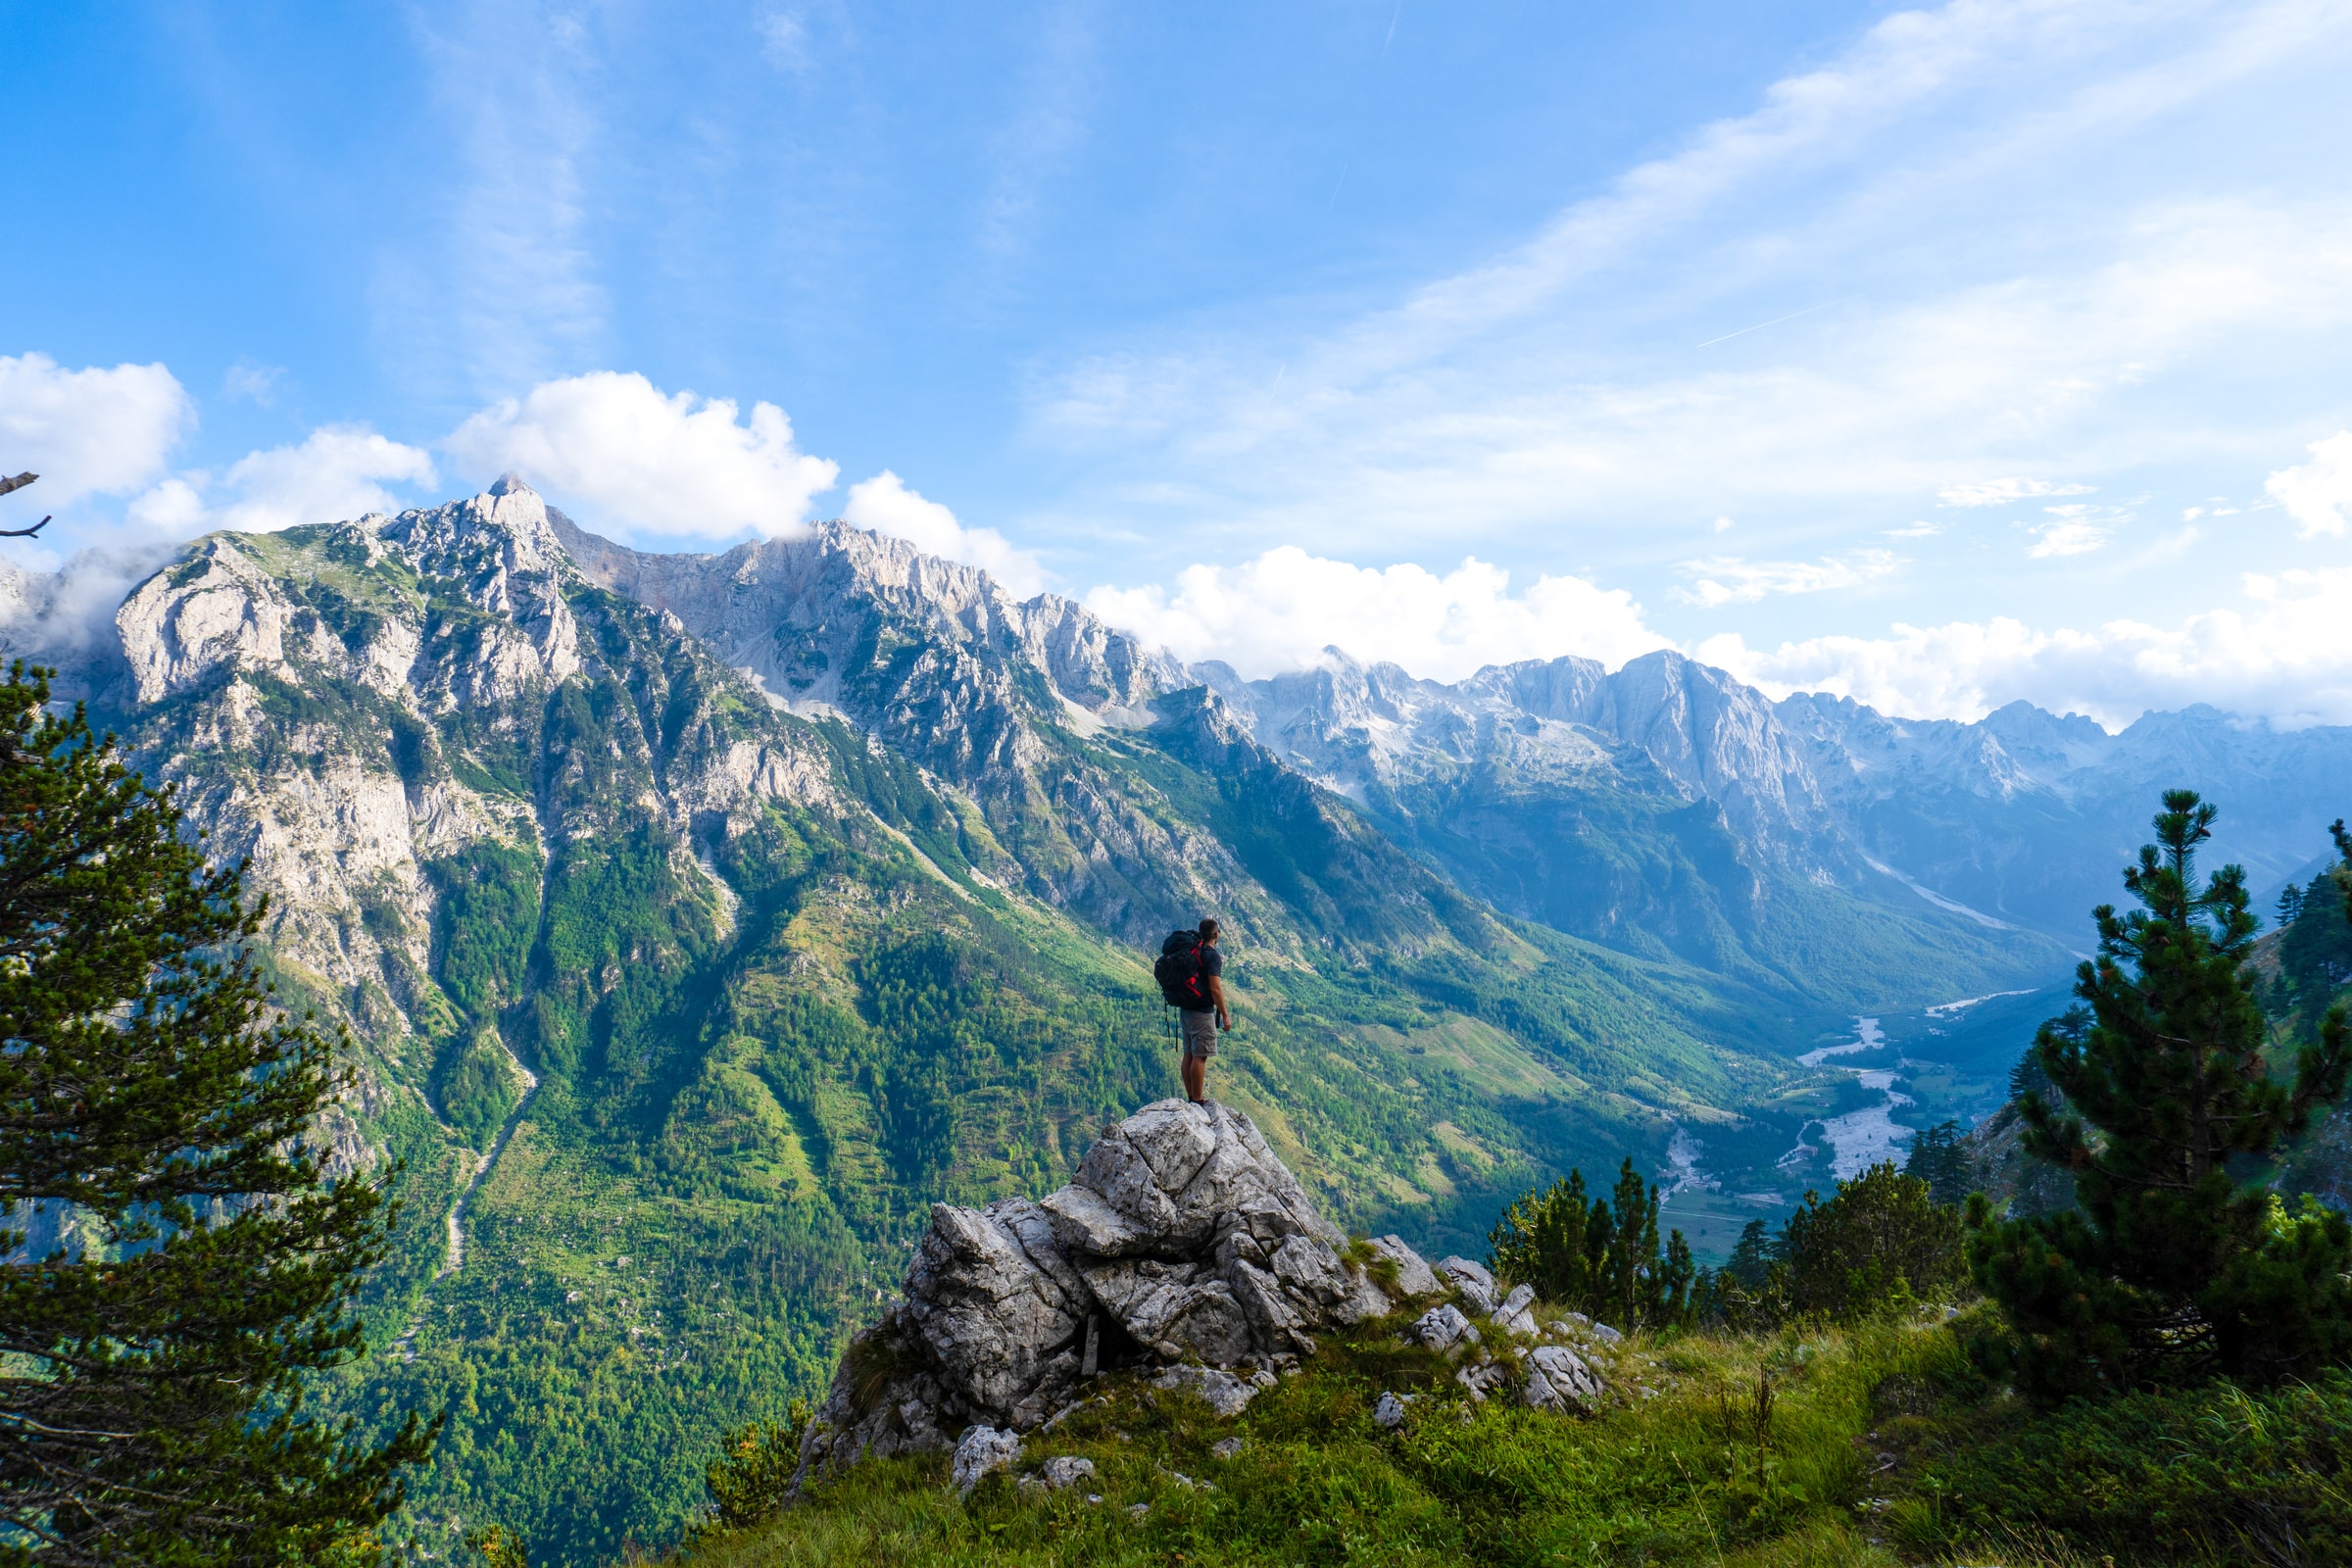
(1184, 1241)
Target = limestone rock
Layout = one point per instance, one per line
(1584, 1327)
(1514, 1313)
(1227, 1447)
(1414, 1276)
(1442, 1328)
(985, 1448)
(1559, 1380)
(1182, 1232)
(1065, 1471)
(1473, 1281)
(1227, 1395)
(1482, 1377)
(1390, 1411)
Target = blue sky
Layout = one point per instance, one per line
(1940, 355)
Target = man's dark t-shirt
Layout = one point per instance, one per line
(1212, 965)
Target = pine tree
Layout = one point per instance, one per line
(1882, 1240)
(2169, 1268)
(1752, 1257)
(1581, 1256)
(151, 1399)
(1542, 1240)
(1939, 1157)
(1631, 1246)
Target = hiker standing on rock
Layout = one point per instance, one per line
(1188, 972)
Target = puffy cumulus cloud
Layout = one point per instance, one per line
(646, 461)
(885, 505)
(2285, 654)
(89, 431)
(2319, 494)
(1730, 580)
(2005, 492)
(1282, 610)
(339, 471)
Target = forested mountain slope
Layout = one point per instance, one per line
(681, 1008)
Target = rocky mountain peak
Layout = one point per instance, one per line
(504, 532)
(807, 615)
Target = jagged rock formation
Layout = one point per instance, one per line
(1182, 1239)
(1185, 1246)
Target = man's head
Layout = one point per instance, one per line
(1208, 930)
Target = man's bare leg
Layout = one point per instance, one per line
(1195, 1078)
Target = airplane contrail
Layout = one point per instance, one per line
(1777, 321)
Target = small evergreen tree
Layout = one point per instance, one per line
(151, 1397)
(1751, 1255)
(1939, 1157)
(1603, 1256)
(1547, 1240)
(2169, 1268)
(1883, 1240)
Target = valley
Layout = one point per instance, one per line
(700, 920)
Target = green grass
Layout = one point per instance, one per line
(1876, 1444)
(1679, 1477)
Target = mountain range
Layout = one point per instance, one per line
(700, 920)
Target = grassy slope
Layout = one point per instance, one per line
(1877, 1446)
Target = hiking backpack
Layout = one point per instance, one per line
(1178, 971)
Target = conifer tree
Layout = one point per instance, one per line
(1583, 1256)
(154, 1098)
(2169, 1268)
(1939, 1157)
(1752, 1257)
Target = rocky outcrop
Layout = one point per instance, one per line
(1184, 1243)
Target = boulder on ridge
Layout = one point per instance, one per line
(1183, 1239)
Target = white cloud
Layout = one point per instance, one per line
(1282, 610)
(885, 505)
(2005, 492)
(1730, 580)
(339, 471)
(648, 463)
(2286, 656)
(2077, 531)
(255, 383)
(1923, 529)
(2319, 493)
(783, 39)
(89, 431)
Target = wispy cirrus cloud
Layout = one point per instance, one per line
(2074, 530)
(1720, 580)
(2006, 492)
(2068, 330)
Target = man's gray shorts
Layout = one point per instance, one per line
(1200, 1033)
